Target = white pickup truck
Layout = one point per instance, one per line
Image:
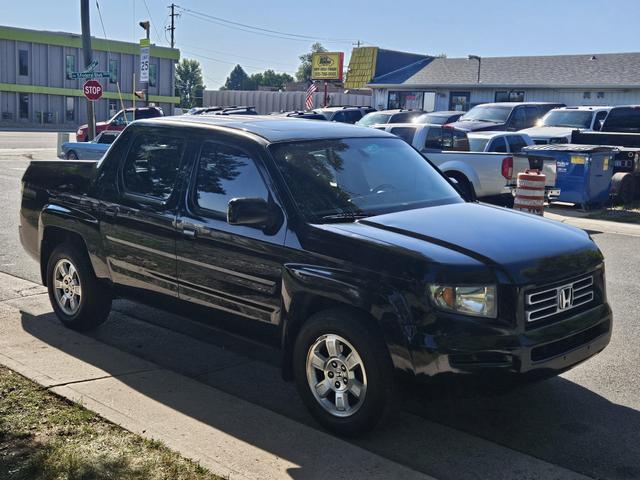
(485, 174)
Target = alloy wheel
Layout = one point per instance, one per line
(67, 287)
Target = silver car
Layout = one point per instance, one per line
(92, 150)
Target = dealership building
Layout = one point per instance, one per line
(441, 83)
(37, 91)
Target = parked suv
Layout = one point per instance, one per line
(623, 119)
(341, 245)
(119, 121)
(344, 114)
(504, 116)
(389, 116)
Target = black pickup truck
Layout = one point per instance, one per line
(341, 245)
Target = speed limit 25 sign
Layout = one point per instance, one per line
(92, 90)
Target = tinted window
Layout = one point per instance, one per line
(434, 138)
(339, 117)
(597, 122)
(404, 117)
(498, 145)
(531, 116)
(107, 138)
(454, 140)
(518, 119)
(224, 173)
(516, 143)
(23, 62)
(359, 175)
(625, 119)
(114, 68)
(568, 118)
(147, 113)
(405, 133)
(151, 166)
(487, 114)
(352, 116)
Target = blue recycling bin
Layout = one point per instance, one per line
(583, 171)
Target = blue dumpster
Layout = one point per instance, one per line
(583, 171)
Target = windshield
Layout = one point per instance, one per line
(487, 114)
(567, 118)
(343, 179)
(477, 144)
(373, 118)
(431, 119)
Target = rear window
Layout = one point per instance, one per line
(405, 133)
(404, 117)
(625, 119)
(149, 113)
(478, 144)
(373, 118)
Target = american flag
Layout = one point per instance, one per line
(308, 102)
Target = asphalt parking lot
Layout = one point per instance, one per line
(585, 422)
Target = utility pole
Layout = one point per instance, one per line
(172, 28)
(86, 50)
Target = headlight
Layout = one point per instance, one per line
(479, 301)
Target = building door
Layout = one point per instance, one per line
(459, 101)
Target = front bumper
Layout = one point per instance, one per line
(548, 349)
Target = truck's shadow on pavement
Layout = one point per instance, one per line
(555, 420)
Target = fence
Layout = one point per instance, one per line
(267, 102)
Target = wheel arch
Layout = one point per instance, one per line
(60, 224)
(305, 296)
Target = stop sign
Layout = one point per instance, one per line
(92, 90)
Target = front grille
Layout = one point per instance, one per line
(547, 302)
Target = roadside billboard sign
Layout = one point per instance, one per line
(327, 66)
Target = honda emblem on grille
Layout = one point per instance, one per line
(565, 297)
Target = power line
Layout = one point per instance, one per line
(220, 52)
(152, 22)
(194, 54)
(259, 30)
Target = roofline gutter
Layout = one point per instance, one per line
(402, 86)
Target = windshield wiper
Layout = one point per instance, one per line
(344, 217)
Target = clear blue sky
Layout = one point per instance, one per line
(482, 27)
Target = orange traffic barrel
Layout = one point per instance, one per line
(530, 192)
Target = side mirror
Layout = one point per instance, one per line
(254, 212)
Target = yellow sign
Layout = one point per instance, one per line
(327, 66)
(577, 160)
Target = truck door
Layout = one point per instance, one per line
(231, 268)
(139, 225)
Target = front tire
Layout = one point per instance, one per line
(71, 155)
(79, 300)
(343, 372)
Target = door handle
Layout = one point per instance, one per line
(189, 232)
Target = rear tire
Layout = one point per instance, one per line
(343, 372)
(79, 300)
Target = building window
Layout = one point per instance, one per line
(509, 96)
(459, 101)
(24, 105)
(23, 62)
(70, 109)
(70, 65)
(600, 95)
(113, 107)
(586, 95)
(405, 100)
(114, 68)
(153, 75)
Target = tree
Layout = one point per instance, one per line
(239, 80)
(269, 78)
(304, 70)
(189, 82)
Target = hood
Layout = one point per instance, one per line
(475, 238)
(474, 125)
(548, 132)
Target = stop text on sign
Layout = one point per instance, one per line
(92, 90)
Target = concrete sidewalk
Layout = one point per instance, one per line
(231, 437)
(577, 219)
